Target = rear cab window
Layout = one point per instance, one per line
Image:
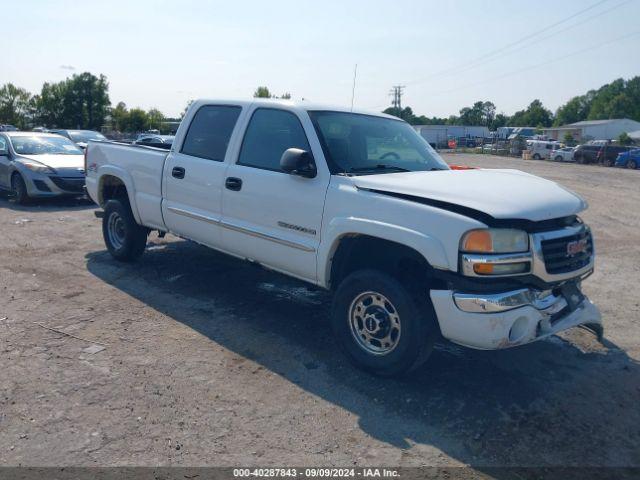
(210, 131)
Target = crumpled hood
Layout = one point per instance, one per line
(503, 194)
(57, 161)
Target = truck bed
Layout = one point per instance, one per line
(139, 166)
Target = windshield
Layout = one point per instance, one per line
(42, 145)
(365, 144)
(85, 136)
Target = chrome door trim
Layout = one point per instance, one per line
(195, 216)
(237, 228)
(266, 236)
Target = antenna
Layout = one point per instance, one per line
(353, 89)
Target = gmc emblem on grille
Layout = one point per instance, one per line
(576, 247)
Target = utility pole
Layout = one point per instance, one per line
(396, 93)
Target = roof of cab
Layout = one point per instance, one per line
(296, 104)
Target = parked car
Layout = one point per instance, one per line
(160, 141)
(564, 154)
(587, 153)
(8, 128)
(410, 249)
(39, 129)
(36, 164)
(629, 159)
(81, 137)
(609, 153)
(540, 149)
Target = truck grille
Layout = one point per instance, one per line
(69, 184)
(566, 254)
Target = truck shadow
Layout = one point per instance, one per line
(551, 402)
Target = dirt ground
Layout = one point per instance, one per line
(211, 361)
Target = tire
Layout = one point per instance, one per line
(580, 159)
(558, 158)
(608, 162)
(19, 189)
(124, 238)
(407, 329)
(632, 164)
(536, 157)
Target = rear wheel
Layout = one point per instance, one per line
(19, 189)
(380, 325)
(632, 164)
(124, 238)
(536, 157)
(558, 158)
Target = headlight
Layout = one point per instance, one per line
(38, 167)
(495, 252)
(495, 240)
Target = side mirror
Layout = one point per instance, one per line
(298, 162)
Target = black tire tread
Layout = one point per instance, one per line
(136, 240)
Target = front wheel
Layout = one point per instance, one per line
(536, 157)
(380, 325)
(124, 238)
(558, 158)
(632, 164)
(19, 189)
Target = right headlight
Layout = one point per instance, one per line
(37, 167)
(495, 252)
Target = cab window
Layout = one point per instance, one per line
(271, 132)
(210, 131)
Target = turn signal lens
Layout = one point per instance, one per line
(495, 240)
(483, 268)
(478, 241)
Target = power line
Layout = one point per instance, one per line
(509, 45)
(476, 64)
(532, 67)
(396, 93)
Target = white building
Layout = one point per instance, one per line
(593, 129)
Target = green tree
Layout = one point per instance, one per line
(15, 105)
(262, 92)
(569, 140)
(534, 115)
(625, 139)
(286, 96)
(480, 113)
(120, 117)
(154, 119)
(137, 120)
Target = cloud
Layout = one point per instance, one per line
(67, 67)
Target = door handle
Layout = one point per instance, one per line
(177, 172)
(233, 183)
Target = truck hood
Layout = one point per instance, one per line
(57, 161)
(502, 194)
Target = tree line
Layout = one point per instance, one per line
(618, 99)
(82, 101)
(79, 102)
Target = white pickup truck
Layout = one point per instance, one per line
(360, 204)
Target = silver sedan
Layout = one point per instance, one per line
(40, 165)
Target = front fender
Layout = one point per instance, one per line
(429, 247)
(125, 177)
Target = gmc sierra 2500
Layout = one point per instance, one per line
(360, 204)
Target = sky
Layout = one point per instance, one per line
(448, 53)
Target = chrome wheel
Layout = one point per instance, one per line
(374, 323)
(116, 230)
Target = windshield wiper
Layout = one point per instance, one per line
(380, 166)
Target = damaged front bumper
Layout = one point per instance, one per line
(502, 320)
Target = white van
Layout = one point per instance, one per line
(540, 149)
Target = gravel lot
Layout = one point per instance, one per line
(211, 361)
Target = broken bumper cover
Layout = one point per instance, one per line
(503, 320)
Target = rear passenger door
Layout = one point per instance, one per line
(271, 216)
(194, 175)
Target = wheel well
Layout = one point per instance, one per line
(365, 252)
(112, 187)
